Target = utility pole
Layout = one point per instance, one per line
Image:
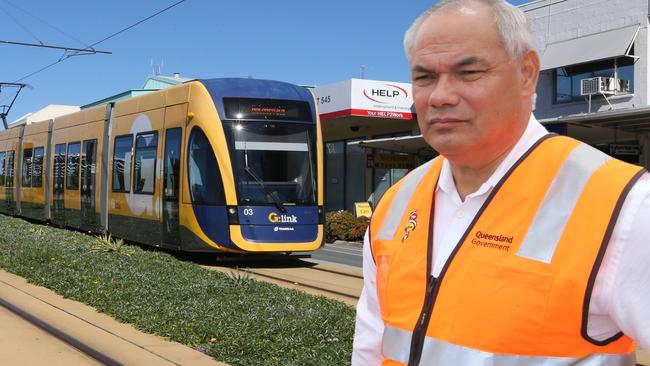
(4, 109)
(68, 52)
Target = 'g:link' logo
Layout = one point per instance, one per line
(285, 219)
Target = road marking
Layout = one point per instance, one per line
(342, 252)
(343, 247)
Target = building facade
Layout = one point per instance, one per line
(594, 79)
(368, 127)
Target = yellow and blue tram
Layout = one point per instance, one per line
(231, 165)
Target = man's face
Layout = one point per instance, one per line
(467, 91)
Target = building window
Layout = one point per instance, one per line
(335, 175)
(355, 168)
(122, 163)
(145, 162)
(569, 78)
(37, 171)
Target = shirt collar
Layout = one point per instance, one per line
(534, 131)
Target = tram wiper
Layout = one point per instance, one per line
(273, 195)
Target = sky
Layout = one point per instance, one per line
(297, 41)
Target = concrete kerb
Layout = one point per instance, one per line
(120, 343)
(348, 244)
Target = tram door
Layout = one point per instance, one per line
(58, 207)
(10, 203)
(89, 218)
(171, 180)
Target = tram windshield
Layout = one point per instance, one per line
(273, 161)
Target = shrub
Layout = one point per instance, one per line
(358, 230)
(342, 225)
(337, 225)
(104, 243)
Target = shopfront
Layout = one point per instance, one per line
(352, 113)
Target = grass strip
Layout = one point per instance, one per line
(234, 319)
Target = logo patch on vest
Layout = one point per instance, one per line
(492, 241)
(411, 225)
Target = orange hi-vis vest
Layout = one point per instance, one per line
(515, 291)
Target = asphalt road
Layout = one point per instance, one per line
(341, 253)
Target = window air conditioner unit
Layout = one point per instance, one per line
(597, 85)
(623, 85)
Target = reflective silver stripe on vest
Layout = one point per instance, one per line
(401, 200)
(561, 198)
(397, 343)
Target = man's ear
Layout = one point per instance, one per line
(530, 66)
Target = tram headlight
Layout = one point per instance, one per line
(233, 215)
(321, 215)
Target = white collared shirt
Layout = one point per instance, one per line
(620, 299)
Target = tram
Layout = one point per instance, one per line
(225, 165)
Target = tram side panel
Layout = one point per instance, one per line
(8, 148)
(170, 182)
(33, 161)
(4, 138)
(75, 169)
(205, 170)
(134, 204)
(5, 185)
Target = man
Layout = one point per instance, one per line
(514, 247)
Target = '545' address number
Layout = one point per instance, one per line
(324, 99)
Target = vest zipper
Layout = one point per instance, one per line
(419, 333)
(433, 283)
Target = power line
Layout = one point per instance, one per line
(90, 48)
(41, 69)
(19, 24)
(142, 21)
(46, 23)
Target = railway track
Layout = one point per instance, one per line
(47, 339)
(339, 282)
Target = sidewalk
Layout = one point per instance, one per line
(82, 327)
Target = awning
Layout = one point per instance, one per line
(633, 120)
(404, 144)
(595, 47)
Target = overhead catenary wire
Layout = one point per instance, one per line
(20, 24)
(46, 23)
(66, 55)
(135, 24)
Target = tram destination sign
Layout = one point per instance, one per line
(267, 109)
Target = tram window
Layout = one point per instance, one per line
(72, 167)
(122, 163)
(144, 177)
(204, 177)
(2, 168)
(9, 168)
(59, 167)
(37, 170)
(172, 162)
(27, 168)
